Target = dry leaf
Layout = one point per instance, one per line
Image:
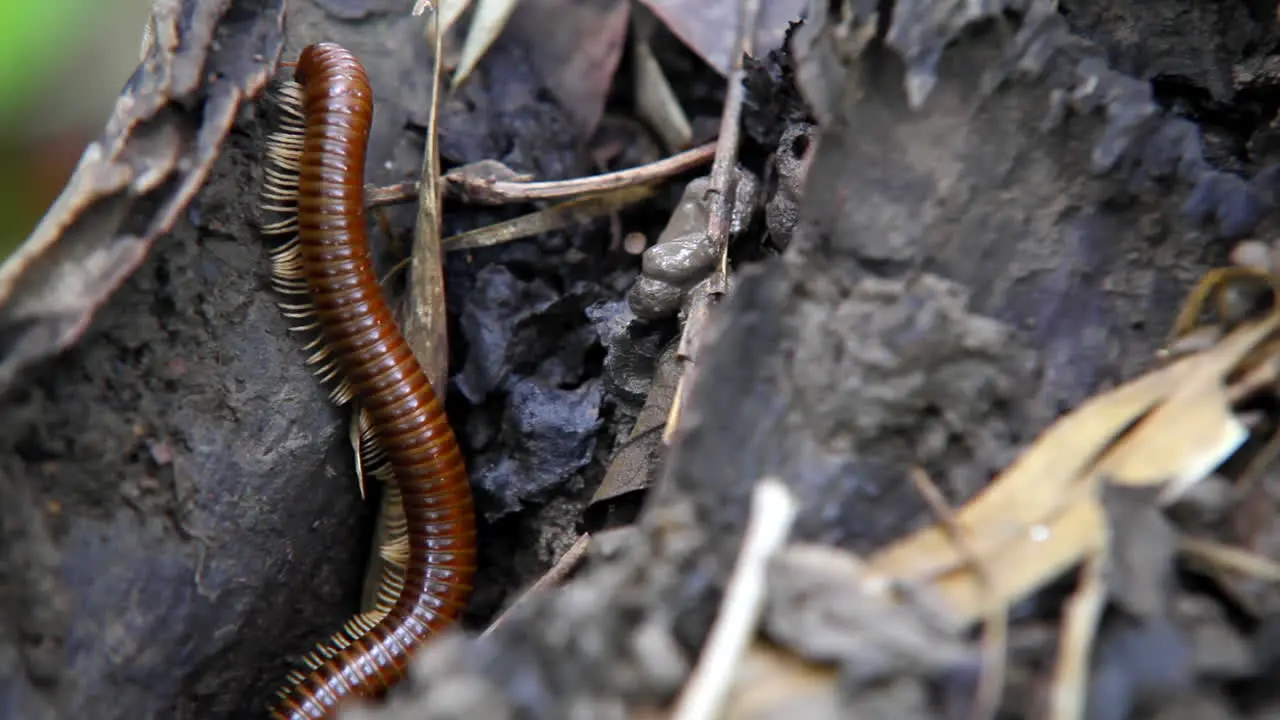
(1041, 515)
(486, 25)
(1022, 565)
(450, 11)
(770, 681)
(632, 467)
(133, 183)
(576, 46)
(708, 26)
(1037, 483)
(1184, 440)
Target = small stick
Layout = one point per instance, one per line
(720, 189)
(501, 192)
(567, 563)
(1067, 696)
(698, 306)
(773, 510)
(719, 209)
(673, 415)
(578, 210)
(1260, 377)
(1230, 559)
(995, 629)
(399, 193)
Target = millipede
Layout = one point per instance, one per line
(314, 179)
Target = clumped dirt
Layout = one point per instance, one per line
(180, 518)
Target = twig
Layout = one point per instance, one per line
(1068, 695)
(567, 563)
(569, 212)
(995, 629)
(383, 195)
(1228, 558)
(773, 510)
(720, 191)
(655, 101)
(501, 192)
(698, 307)
(1260, 376)
(673, 415)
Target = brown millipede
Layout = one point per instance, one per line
(284, 149)
(316, 180)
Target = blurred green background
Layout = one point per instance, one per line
(62, 65)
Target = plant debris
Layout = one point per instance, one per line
(133, 183)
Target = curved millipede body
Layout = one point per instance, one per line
(316, 180)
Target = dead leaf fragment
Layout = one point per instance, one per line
(636, 463)
(486, 25)
(656, 101)
(1041, 516)
(575, 47)
(770, 682)
(708, 26)
(133, 182)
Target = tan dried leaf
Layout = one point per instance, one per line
(1041, 516)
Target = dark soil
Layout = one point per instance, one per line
(180, 520)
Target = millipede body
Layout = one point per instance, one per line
(316, 181)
